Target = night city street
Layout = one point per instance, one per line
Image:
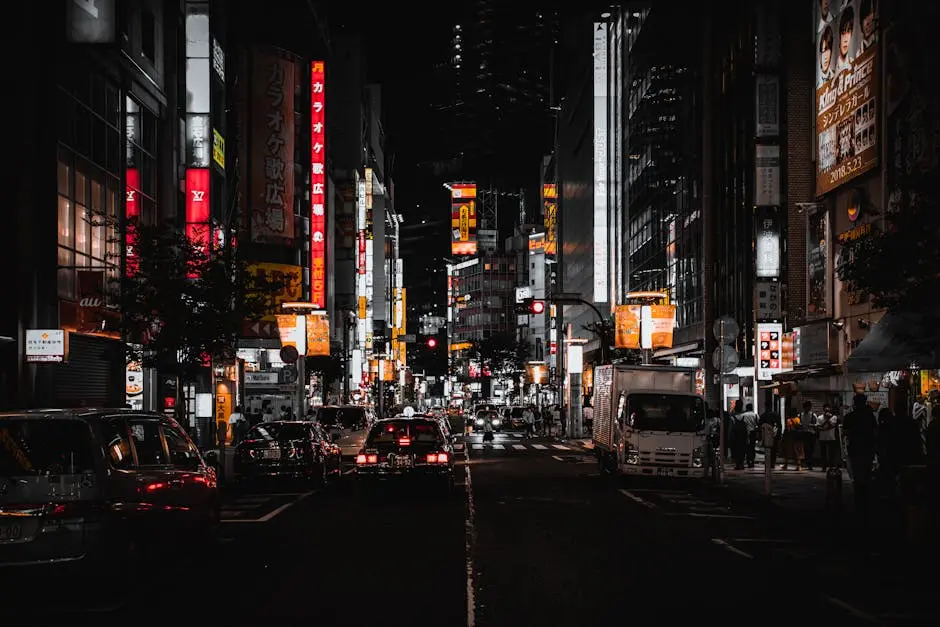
(551, 542)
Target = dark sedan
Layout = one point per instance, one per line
(406, 448)
(287, 450)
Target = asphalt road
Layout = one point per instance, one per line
(533, 536)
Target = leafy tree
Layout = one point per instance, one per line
(501, 353)
(182, 304)
(899, 267)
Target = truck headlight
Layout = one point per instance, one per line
(496, 422)
(698, 457)
(632, 455)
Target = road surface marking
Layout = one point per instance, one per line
(561, 447)
(765, 540)
(477, 447)
(854, 611)
(270, 514)
(470, 540)
(732, 549)
(700, 515)
(557, 458)
(498, 447)
(349, 472)
(637, 499)
(519, 447)
(540, 447)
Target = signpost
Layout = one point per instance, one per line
(724, 359)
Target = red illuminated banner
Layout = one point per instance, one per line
(361, 263)
(132, 212)
(463, 219)
(318, 184)
(197, 206)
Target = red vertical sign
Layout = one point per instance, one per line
(197, 206)
(132, 212)
(318, 184)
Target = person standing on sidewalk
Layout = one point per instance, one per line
(238, 425)
(861, 433)
(826, 426)
(808, 427)
(528, 417)
(749, 417)
(773, 419)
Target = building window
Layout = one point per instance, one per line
(148, 35)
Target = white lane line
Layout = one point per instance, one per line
(498, 447)
(477, 447)
(560, 447)
(470, 540)
(637, 499)
(854, 611)
(700, 515)
(519, 447)
(555, 457)
(349, 472)
(280, 509)
(540, 447)
(732, 549)
(765, 540)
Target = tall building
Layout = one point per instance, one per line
(98, 126)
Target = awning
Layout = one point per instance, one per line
(900, 340)
(805, 372)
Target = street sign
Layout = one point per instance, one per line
(726, 330)
(289, 354)
(290, 375)
(725, 359)
(408, 338)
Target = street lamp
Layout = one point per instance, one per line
(301, 310)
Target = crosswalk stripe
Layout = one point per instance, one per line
(560, 447)
(477, 447)
(498, 447)
(519, 447)
(540, 447)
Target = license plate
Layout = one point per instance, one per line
(271, 454)
(11, 532)
(402, 462)
(665, 472)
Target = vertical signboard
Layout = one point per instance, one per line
(627, 326)
(197, 207)
(847, 91)
(550, 217)
(767, 243)
(132, 214)
(818, 275)
(767, 175)
(318, 184)
(770, 350)
(767, 120)
(272, 149)
(463, 214)
(600, 163)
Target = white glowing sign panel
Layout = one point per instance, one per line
(600, 163)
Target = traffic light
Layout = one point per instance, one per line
(432, 342)
(530, 306)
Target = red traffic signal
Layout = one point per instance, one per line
(432, 342)
(537, 306)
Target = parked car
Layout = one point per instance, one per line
(287, 450)
(90, 489)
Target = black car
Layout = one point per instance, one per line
(287, 450)
(406, 448)
(91, 488)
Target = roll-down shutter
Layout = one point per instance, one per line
(93, 374)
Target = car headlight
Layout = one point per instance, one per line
(479, 421)
(496, 421)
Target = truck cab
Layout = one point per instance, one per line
(648, 421)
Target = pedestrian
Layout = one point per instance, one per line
(772, 419)
(237, 425)
(268, 414)
(792, 442)
(749, 417)
(738, 440)
(827, 424)
(587, 415)
(528, 417)
(861, 433)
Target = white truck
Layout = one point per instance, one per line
(648, 421)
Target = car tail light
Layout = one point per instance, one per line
(361, 458)
(437, 458)
(60, 511)
(404, 441)
(150, 488)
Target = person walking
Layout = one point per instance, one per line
(861, 433)
(749, 417)
(237, 425)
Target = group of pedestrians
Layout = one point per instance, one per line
(545, 422)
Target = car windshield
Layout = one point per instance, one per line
(665, 412)
(516, 412)
(53, 446)
(272, 431)
(344, 417)
(390, 431)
